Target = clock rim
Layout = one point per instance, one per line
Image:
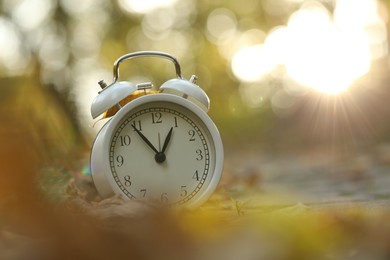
(106, 134)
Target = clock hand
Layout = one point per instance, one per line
(159, 142)
(160, 156)
(146, 140)
(165, 145)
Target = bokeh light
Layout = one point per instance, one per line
(13, 60)
(144, 6)
(221, 26)
(322, 57)
(75, 7)
(28, 20)
(251, 63)
(324, 51)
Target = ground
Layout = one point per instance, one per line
(310, 205)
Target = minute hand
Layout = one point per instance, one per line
(145, 139)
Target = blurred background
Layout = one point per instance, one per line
(299, 91)
(281, 72)
(288, 77)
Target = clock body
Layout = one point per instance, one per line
(158, 147)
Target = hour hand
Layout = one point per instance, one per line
(145, 140)
(165, 145)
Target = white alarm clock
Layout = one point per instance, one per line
(161, 146)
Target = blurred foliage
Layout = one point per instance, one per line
(66, 47)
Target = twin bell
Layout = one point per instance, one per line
(112, 97)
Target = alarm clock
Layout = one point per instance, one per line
(159, 145)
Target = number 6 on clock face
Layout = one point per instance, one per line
(161, 147)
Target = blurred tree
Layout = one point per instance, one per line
(65, 47)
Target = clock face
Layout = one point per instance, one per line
(162, 151)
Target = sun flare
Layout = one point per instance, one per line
(317, 49)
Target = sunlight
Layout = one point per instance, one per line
(320, 56)
(354, 14)
(320, 50)
(276, 45)
(363, 19)
(251, 63)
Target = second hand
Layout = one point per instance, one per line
(159, 143)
